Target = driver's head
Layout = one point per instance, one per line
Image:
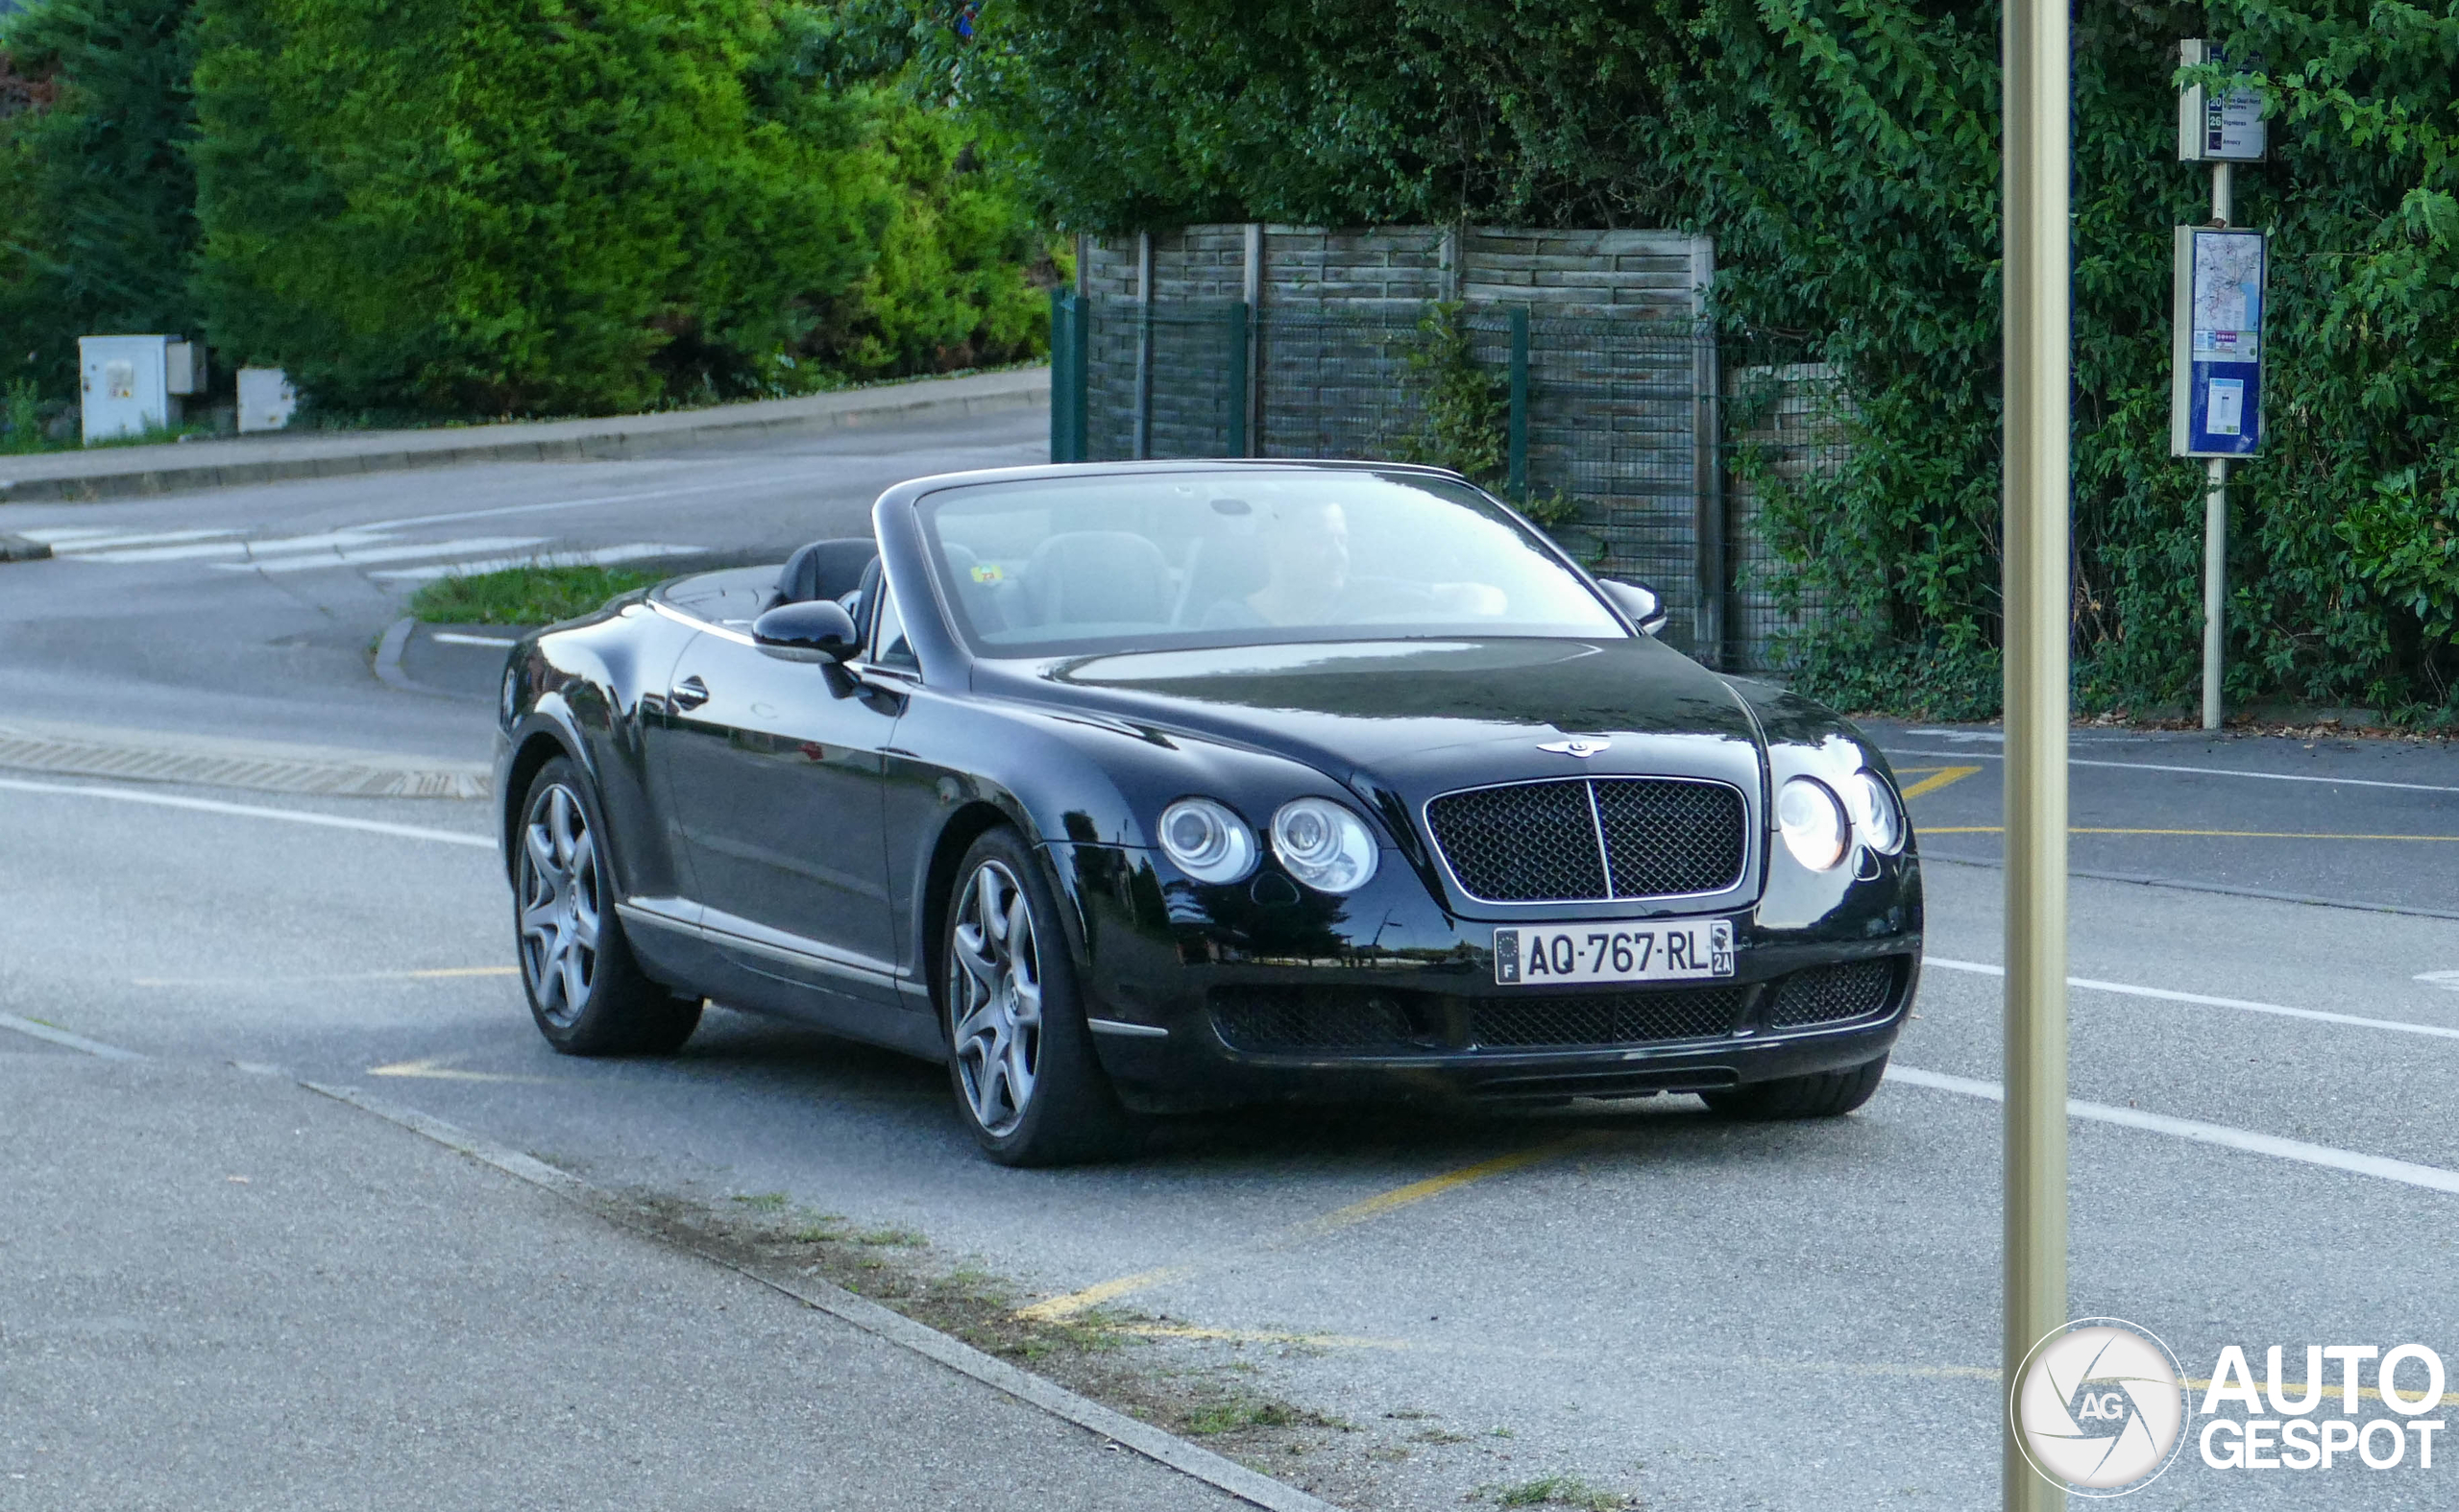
(1307, 547)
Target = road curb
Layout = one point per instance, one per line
(121, 476)
(17, 548)
(388, 658)
(256, 766)
(1162, 1447)
(1217, 1470)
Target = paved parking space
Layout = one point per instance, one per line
(1706, 1314)
(2363, 821)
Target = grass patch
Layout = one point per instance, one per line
(765, 1202)
(1559, 1491)
(900, 1239)
(525, 594)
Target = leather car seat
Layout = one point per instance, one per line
(824, 570)
(1098, 577)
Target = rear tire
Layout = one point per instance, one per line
(1020, 1057)
(1822, 1095)
(587, 993)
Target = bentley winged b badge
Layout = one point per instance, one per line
(1575, 747)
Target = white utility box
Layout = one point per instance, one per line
(266, 398)
(133, 384)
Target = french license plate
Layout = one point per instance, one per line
(1619, 952)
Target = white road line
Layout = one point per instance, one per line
(2204, 1000)
(73, 543)
(2431, 1178)
(2203, 771)
(168, 800)
(205, 550)
(453, 638)
(62, 1037)
(630, 552)
(354, 556)
(803, 477)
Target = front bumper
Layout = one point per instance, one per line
(1208, 997)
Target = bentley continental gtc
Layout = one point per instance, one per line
(1133, 788)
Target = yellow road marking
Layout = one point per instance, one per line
(1419, 1191)
(1324, 1341)
(2000, 829)
(1076, 1302)
(435, 1069)
(429, 973)
(1339, 1218)
(1940, 777)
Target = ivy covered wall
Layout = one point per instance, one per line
(1845, 154)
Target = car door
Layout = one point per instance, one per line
(773, 770)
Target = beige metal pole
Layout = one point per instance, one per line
(2215, 519)
(2215, 585)
(2037, 619)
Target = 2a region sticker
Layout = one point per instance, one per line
(2100, 1408)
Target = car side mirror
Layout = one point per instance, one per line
(816, 630)
(1643, 604)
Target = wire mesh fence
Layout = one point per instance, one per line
(1656, 452)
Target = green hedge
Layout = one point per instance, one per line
(1846, 155)
(520, 207)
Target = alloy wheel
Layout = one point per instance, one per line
(560, 900)
(995, 1000)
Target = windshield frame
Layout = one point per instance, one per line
(923, 507)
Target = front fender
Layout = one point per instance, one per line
(590, 688)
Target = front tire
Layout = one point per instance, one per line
(587, 993)
(1822, 1095)
(1020, 1057)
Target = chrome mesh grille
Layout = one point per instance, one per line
(1553, 842)
(1832, 994)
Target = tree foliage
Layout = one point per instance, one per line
(97, 201)
(496, 207)
(1846, 155)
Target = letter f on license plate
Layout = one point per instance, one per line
(1529, 954)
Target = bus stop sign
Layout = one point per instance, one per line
(2216, 384)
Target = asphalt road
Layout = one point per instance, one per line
(1700, 1314)
(252, 612)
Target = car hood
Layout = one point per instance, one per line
(1423, 713)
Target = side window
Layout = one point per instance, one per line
(889, 645)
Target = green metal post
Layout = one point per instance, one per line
(1234, 380)
(1519, 401)
(1063, 349)
(1080, 372)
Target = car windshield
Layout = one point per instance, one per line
(1155, 560)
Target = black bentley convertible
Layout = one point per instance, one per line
(1133, 788)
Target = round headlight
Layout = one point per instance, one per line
(1324, 845)
(1876, 811)
(1208, 841)
(1811, 819)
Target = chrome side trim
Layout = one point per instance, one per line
(1128, 1031)
(719, 928)
(680, 915)
(1749, 832)
(707, 626)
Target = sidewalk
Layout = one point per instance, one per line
(225, 1291)
(111, 473)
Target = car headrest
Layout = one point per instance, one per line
(824, 570)
(1224, 568)
(1099, 577)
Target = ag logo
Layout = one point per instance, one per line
(2098, 1407)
